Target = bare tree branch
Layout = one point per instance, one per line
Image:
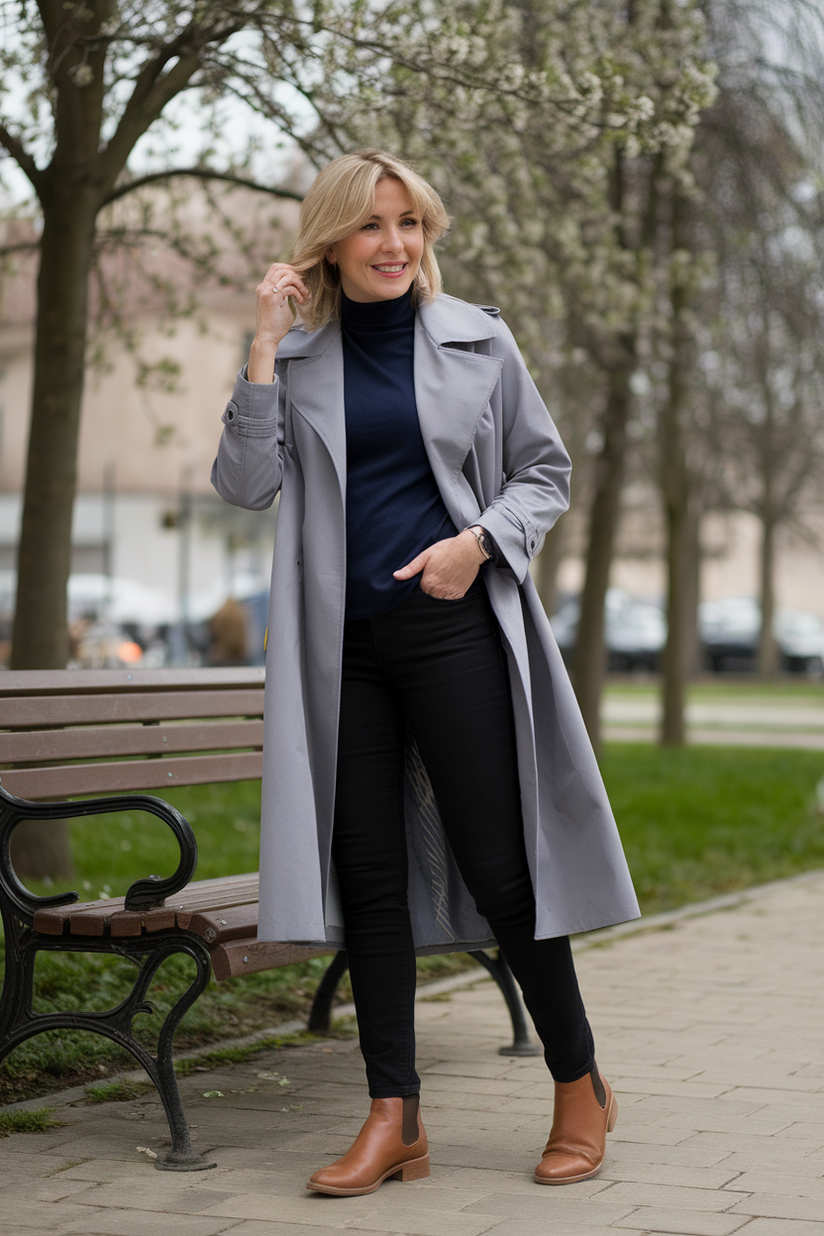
(22, 246)
(21, 156)
(200, 173)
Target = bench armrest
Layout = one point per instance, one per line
(143, 893)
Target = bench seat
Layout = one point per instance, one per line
(222, 912)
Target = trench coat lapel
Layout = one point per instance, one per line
(452, 386)
(316, 387)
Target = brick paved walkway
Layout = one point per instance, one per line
(711, 1029)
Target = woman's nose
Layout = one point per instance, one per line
(392, 240)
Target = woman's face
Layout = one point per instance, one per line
(379, 260)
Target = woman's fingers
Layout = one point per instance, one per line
(282, 291)
(414, 567)
(285, 279)
(447, 568)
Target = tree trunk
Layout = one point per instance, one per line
(692, 641)
(545, 571)
(679, 497)
(768, 657)
(41, 848)
(589, 662)
(40, 637)
(679, 652)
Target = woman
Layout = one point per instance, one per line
(428, 783)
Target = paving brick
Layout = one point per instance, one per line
(167, 1193)
(671, 1174)
(775, 1206)
(764, 1150)
(142, 1223)
(689, 1222)
(548, 1202)
(312, 1209)
(631, 1193)
(49, 1189)
(256, 1227)
(50, 1216)
(805, 1131)
(781, 1184)
(783, 1227)
(425, 1224)
(549, 1226)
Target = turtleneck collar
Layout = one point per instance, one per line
(377, 315)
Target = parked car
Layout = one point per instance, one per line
(730, 630)
(634, 631)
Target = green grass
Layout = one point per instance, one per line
(725, 688)
(37, 1121)
(695, 822)
(342, 1028)
(700, 821)
(117, 1091)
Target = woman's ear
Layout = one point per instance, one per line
(330, 256)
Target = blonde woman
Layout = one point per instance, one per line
(428, 783)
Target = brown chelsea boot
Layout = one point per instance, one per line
(585, 1111)
(391, 1144)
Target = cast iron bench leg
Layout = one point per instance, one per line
(522, 1045)
(320, 1015)
(19, 1022)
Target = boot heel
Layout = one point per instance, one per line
(416, 1169)
(613, 1115)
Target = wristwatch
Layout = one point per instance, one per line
(481, 537)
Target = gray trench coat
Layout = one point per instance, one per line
(498, 460)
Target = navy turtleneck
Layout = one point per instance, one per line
(393, 506)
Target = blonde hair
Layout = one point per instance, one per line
(341, 199)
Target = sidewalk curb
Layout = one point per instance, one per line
(592, 939)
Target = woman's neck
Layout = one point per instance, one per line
(377, 315)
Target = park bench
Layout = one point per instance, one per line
(117, 733)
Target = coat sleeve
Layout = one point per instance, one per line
(249, 465)
(536, 467)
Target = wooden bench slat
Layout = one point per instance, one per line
(94, 922)
(52, 920)
(90, 917)
(29, 746)
(252, 956)
(230, 884)
(35, 711)
(226, 923)
(206, 906)
(55, 682)
(75, 779)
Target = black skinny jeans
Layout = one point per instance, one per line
(440, 667)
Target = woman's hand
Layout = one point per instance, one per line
(274, 317)
(447, 568)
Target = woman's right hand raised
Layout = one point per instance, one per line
(274, 317)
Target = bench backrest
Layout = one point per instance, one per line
(69, 732)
